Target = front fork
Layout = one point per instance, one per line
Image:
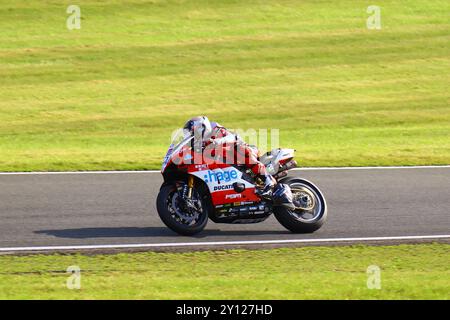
(190, 203)
(190, 186)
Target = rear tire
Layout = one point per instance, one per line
(291, 219)
(164, 195)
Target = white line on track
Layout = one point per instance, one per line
(157, 171)
(219, 243)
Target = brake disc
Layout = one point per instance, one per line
(188, 217)
(304, 199)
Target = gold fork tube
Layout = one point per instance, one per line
(190, 186)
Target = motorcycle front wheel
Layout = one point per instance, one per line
(311, 208)
(179, 217)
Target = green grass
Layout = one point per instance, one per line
(407, 272)
(109, 95)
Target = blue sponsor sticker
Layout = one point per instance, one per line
(221, 176)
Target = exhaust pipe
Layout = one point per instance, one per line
(282, 172)
(289, 165)
(280, 175)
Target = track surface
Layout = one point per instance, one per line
(119, 208)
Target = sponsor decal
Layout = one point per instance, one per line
(233, 196)
(258, 212)
(220, 176)
(223, 187)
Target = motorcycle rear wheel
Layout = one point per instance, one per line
(311, 212)
(165, 203)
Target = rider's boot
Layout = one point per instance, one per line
(282, 196)
(269, 184)
(280, 193)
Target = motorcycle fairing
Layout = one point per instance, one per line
(273, 159)
(242, 212)
(220, 180)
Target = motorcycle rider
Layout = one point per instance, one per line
(214, 135)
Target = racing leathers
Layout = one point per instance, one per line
(232, 148)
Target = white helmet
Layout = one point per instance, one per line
(199, 127)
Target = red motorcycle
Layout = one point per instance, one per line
(194, 192)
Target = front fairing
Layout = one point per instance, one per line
(174, 149)
(167, 158)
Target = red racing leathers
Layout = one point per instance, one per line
(229, 148)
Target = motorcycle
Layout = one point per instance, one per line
(193, 193)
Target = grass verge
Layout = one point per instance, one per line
(108, 96)
(407, 272)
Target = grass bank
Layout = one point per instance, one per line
(407, 272)
(108, 96)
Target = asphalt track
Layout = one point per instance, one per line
(118, 210)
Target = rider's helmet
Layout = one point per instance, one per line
(200, 127)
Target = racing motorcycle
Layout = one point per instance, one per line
(194, 192)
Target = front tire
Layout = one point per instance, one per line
(165, 205)
(311, 212)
